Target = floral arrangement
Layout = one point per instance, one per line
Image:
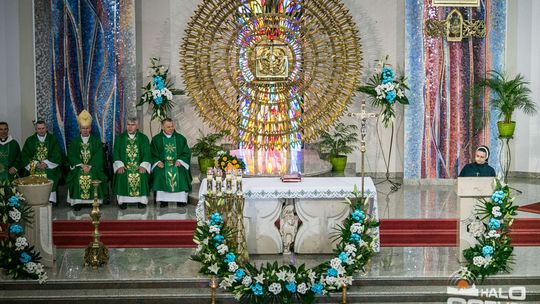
(386, 89)
(227, 161)
(159, 92)
(17, 257)
(493, 253)
(286, 283)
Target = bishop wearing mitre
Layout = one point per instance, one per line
(86, 160)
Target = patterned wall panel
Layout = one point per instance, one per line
(93, 65)
(43, 56)
(442, 124)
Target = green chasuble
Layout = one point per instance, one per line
(80, 183)
(132, 153)
(48, 150)
(10, 156)
(168, 150)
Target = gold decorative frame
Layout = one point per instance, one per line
(457, 3)
(319, 41)
(455, 27)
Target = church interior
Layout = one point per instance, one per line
(269, 151)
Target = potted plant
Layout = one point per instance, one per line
(338, 144)
(509, 95)
(206, 148)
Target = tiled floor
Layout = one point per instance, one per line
(407, 202)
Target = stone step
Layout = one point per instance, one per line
(196, 290)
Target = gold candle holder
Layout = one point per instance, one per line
(213, 286)
(209, 180)
(241, 250)
(219, 176)
(344, 294)
(96, 254)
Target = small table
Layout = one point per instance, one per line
(318, 202)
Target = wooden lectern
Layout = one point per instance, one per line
(469, 190)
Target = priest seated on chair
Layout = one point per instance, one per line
(131, 165)
(170, 170)
(43, 151)
(480, 166)
(86, 162)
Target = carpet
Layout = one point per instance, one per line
(179, 233)
(532, 208)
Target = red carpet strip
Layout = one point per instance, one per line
(532, 208)
(179, 233)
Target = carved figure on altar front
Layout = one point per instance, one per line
(288, 227)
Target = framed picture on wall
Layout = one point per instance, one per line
(455, 2)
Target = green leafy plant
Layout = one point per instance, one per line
(341, 141)
(206, 146)
(509, 94)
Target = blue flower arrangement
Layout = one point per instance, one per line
(159, 91)
(493, 252)
(286, 283)
(17, 257)
(386, 89)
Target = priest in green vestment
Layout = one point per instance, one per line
(85, 159)
(171, 173)
(132, 166)
(42, 149)
(10, 154)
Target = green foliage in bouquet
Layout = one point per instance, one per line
(386, 89)
(227, 161)
(273, 283)
(17, 257)
(494, 251)
(159, 91)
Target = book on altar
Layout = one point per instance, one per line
(294, 177)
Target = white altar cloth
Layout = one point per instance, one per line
(318, 202)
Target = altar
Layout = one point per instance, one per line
(318, 207)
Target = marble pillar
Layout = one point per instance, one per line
(39, 232)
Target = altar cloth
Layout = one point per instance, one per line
(319, 205)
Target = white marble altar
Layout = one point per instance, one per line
(318, 202)
(470, 190)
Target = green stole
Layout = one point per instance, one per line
(132, 167)
(41, 155)
(171, 171)
(85, 179)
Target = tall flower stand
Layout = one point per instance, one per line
(505, 156)
(39, 232)
(394, 186)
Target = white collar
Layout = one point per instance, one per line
(41, 138)
(85, 139)
(168, 136)
(8, 139)
(132, 136)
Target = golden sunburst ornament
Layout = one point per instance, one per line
(273, 73)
